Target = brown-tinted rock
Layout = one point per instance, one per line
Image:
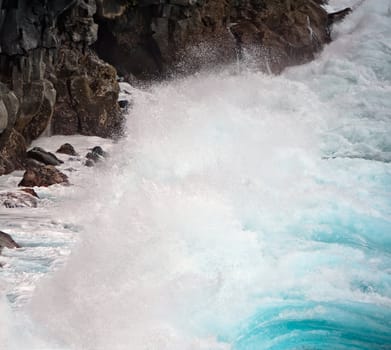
(30, 191)
(18, 199)
(37, 109)
(67, 148)
(155, 37)
(43, 176)
(88, 99)
(12, 151)
(6, 241)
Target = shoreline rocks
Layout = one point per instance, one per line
(42, 156)
(68, 149)
(6, 241)
(43, 175)
(59, 59)
(19, 199)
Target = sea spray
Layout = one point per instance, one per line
(241, 211)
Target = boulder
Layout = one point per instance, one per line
(96, 155)
(45, 175)
(67, 148)
(18, 199)
(6, 241)
(42, 156)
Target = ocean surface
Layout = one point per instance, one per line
(241, 211)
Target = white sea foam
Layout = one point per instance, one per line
(233, 195)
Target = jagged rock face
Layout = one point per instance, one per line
(88, 93)
(12, 151)
(151, 37)
(35, 93)
(53, 78)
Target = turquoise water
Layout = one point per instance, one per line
(242, 211)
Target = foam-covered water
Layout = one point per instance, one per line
(242, 211)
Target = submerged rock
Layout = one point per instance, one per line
(45, 175)
(89, 163)
(97, 154)
(67, 148)
(40, 155)
(19, 199)
(30, 191)
(6, 241)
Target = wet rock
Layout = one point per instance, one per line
(67, 148)
(18, 199)
(44, 50)
(88, 93)
(155, 38)
(40, 155)
(6, 241)
(338, 16)
(53, 73)
(45, 175)
(89, 163)
(99, 151)
(123, 104)
(30, 191)
(37, 108)
(12, 151)
(97, 154)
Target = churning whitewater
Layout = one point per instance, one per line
(242, 211)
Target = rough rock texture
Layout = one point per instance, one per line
(18, 199)
(67, 148)
(44, 175)
(97, 154)
(151, 37)
(42, 156)
(53, 78)
(51, 81)
(87, 95)
(7, 241)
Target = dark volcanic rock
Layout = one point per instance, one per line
(89, 163)
(88, 93)
(50, 78)
(339, 15)
(67, 148)
(7, 241)
(47, 158)
(43, 176)
(52, 73)
(96, 154)
(99, 151)
(12, 151)
(149, 38)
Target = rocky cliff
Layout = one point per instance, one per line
(53, 72)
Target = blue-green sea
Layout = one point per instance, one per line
(241, 211)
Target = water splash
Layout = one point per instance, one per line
(218, 223)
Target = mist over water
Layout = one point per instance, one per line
(242, 211)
